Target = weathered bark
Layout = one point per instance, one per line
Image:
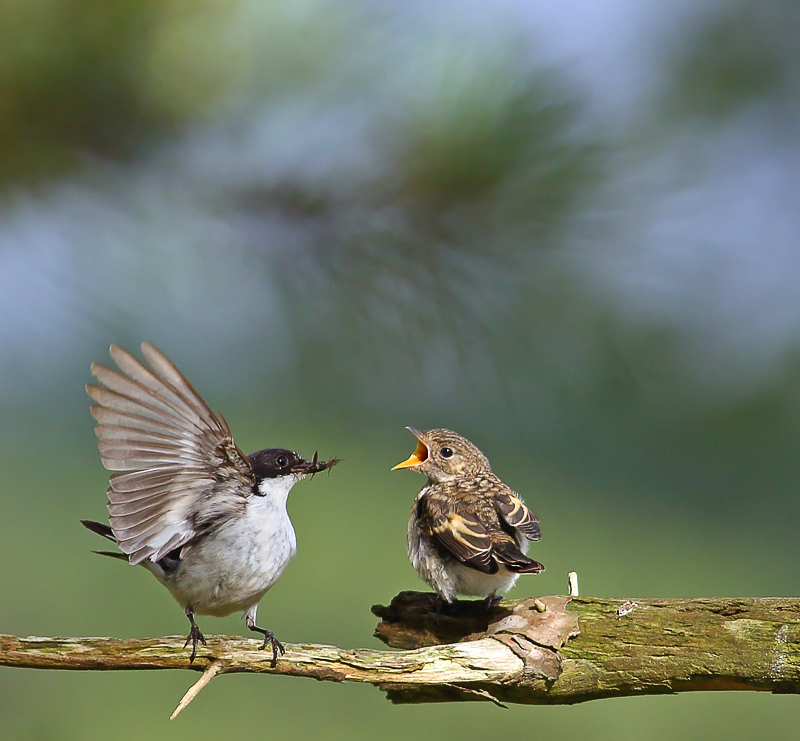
(655, 646)
(514, 652)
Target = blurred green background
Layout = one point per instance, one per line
(570, 234)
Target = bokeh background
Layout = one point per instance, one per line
(568, 231)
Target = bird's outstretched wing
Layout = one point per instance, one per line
(515, 512)
(177, 470)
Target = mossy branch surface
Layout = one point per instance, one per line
(633, 647)
(551, 650)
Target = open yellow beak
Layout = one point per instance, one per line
(420, 455)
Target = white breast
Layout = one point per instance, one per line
(234, 567)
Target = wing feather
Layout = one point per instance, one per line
(144, 480)
(170, 384)
(465, 521)
(111, 417)
(176, 469)
(508, 553)
(137, 495)
(168, 373)
(149, 408)
(453, 526)
(516, 513)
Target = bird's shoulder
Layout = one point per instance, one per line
(458, 505)
(482, 500)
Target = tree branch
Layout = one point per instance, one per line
(517, 652)
(650, 646)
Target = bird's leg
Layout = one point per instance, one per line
(194, 634)
(491, 600)
(437, 603)
(269, 638)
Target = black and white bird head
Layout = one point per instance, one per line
(443, 455)
(278, 469)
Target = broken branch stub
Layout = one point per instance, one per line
(534, 629)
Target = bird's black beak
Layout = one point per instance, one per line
(313, 466)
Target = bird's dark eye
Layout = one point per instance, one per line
(446, 452)
(281, 461)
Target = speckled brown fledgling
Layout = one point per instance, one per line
(468, 532)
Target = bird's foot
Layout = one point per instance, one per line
(277, 646)
(270, 639)
(492, 600)
(437, 603)
(194, 637)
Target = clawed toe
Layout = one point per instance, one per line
(277, 646)
(194, 637)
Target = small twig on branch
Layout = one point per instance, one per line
(572, 581)
(214, 668)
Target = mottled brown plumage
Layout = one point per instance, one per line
(468, 532)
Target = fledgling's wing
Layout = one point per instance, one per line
(451, 522)
(515, 512)
(507, 552)
(177, 470)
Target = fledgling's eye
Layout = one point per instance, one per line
(282, 461)
(446, 452)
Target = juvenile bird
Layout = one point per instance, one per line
(184, 502)
(468, 532)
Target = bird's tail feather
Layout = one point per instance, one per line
(104, 531)
(515, 560)
(100, 529)
(112, 554)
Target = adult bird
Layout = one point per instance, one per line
(209, 522)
